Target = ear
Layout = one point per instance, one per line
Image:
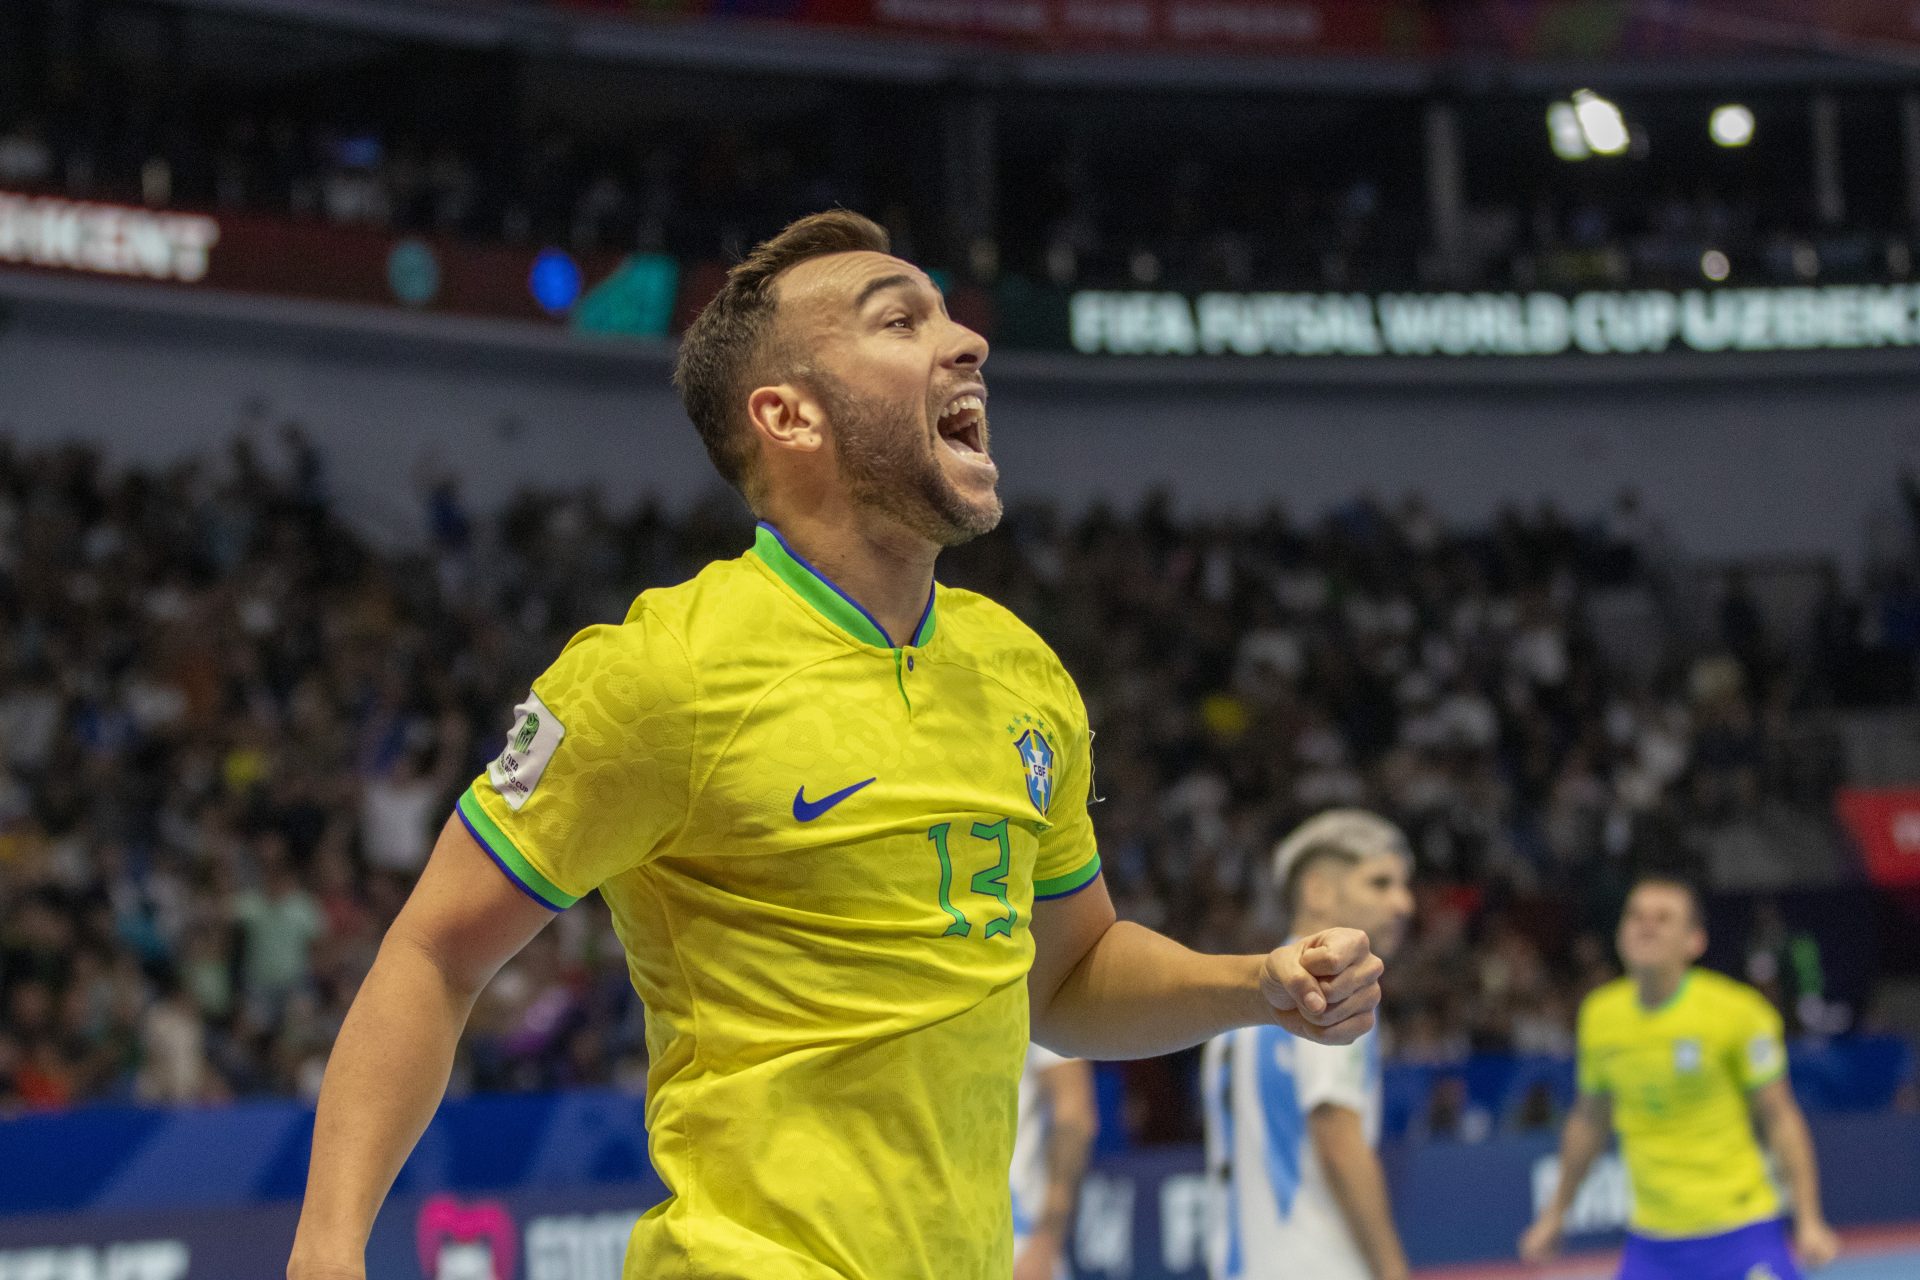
(786, 417)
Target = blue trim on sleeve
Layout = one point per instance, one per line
(505, 870)
(1055, 897)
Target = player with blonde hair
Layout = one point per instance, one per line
(1292, 1125)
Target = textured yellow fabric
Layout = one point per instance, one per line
(836, 1006)
(1679, 1077)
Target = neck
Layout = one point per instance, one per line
(1657, 986)
(882, 565)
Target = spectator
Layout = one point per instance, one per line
(211, 808)
(279, 922)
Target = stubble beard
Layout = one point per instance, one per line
(891, 470)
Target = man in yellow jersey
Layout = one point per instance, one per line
(1683, 1060)
(839, 814)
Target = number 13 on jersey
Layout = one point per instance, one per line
(990, 883)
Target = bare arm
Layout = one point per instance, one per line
(390, 1064)
(1360, 1187)
(1104, 988)
(1786, 1132)
(1588, 1127)
(1072, 1124)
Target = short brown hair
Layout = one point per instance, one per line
(727, 345)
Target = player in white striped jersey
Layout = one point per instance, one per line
(1056, 1129)
(1297, 1189)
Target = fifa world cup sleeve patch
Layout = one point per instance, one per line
(1763, 1057)
(536, 736)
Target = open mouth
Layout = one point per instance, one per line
(962, 425)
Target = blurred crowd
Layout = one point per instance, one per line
(705, 191)
(696, 193)
(1172, 191)
(230, 728)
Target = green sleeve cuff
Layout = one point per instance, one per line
(494, 841)
(1072, 882)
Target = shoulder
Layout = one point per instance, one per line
(1709, 987)
(1730, 997)
(982, 620)
(992, 637)
(705, 605)
(710, 624)
(1605, 1002)
(613, 678)
(643, 647)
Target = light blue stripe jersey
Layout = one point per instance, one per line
(1273, 1213)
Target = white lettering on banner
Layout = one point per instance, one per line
(108, 239)
(1287, 323)
(464, 1260)
(1183, 1221)
(137, 1260)
(579, 1247)
(1836, 318)
(1133, 324)
(1604, 1199)
(1906, 831)
(1103, 1227)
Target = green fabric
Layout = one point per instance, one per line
(825, 599)
(1067, 883)
(925, 633)
(509, 857)
(1685, 979)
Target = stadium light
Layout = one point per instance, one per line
(1731, 125)
(1601, 123)
(1563, 131)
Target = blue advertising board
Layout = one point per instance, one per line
(546, 1187)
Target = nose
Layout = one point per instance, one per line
(967, 349)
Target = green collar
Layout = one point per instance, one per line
(1669, 1002)
(828, 600)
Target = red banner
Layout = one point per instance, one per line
(1265, 26)
(1537, 29)
(1885, 821)
(285, 257)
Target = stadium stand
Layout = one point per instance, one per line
(234, 726)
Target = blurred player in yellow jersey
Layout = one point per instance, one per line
(1682, 1061)
(839, 814)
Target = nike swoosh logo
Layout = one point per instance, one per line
(805, 810)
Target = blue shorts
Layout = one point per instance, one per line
(1758, 1252)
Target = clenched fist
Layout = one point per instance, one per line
(1324, 987)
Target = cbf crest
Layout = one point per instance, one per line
(1036, 759)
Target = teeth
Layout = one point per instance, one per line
(962, 405)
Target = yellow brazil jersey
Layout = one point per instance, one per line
(1679, 1077)
(821, 852)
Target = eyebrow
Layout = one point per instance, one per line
(883, 283)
